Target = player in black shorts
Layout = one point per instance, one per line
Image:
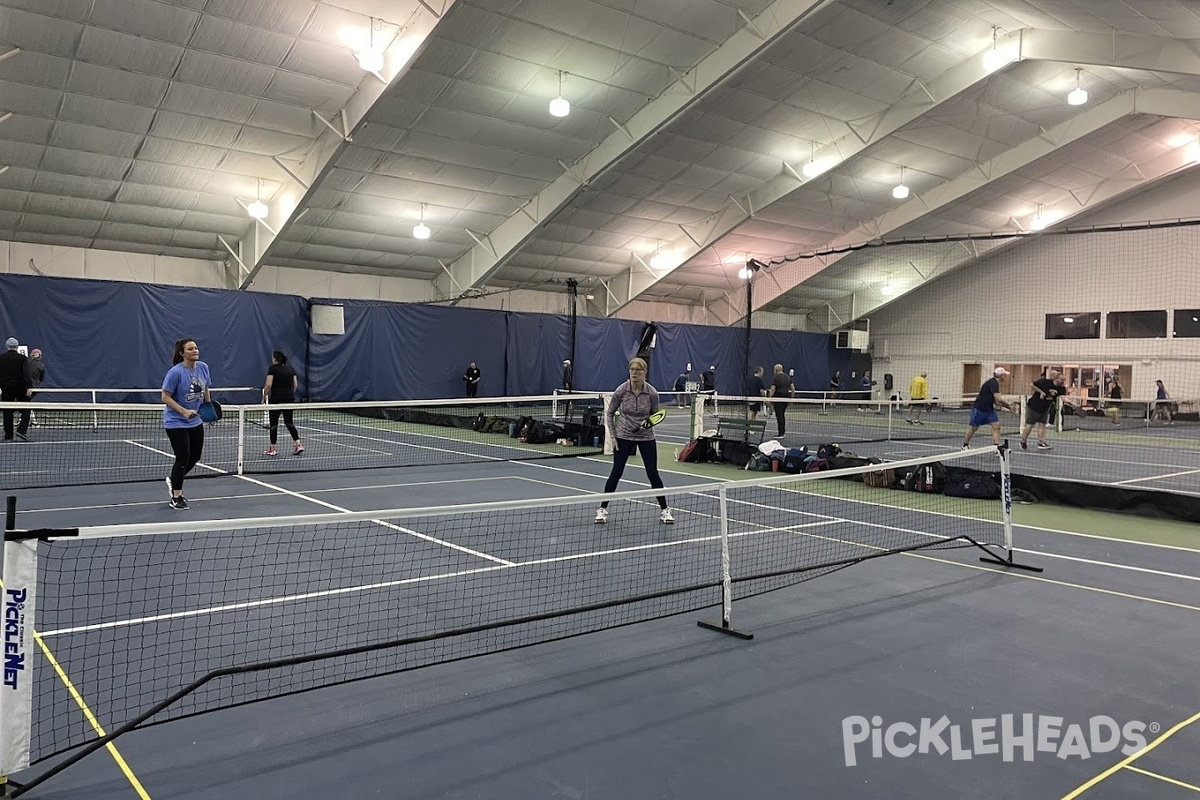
(1037, 408)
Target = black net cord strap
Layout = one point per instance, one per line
(215, 614)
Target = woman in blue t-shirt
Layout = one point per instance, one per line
(184, 388)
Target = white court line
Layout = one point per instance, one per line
(272, 492)
(248, 604)
(1026, 551)
(400, 528)
(1158, 477)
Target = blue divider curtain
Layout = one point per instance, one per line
(108, 334)
(112, 334)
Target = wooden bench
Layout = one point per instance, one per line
(740, 429)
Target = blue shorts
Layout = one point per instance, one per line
(981, 418)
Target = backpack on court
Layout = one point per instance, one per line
(929, 478)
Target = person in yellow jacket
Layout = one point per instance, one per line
(918, 396)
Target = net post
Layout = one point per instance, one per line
(1006, 509)
(699, 409)
(241, 441)
(725, 626)
(610, 435)
(16, 685)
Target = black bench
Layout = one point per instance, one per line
(740, 429)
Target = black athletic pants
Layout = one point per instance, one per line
(188, 445)
(625, 448)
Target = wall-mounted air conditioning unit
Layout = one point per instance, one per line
(853, 340)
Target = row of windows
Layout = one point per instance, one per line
(1124, 325)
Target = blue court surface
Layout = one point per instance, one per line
(841, 693)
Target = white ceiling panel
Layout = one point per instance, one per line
(145, 122)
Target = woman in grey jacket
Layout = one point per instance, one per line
(636, 400)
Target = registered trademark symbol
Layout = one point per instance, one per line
(1155, 727)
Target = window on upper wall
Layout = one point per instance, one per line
(1187, 323)
(1084, 325)
(1137, 324)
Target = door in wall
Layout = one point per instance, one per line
(972, 380)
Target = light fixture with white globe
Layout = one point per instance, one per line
(900, 191)
(258, 209)
(811, 169)
(421, 230)
(1078, 95)
(371, 59)
(560, 106)
(995, 58)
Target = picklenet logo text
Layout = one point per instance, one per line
(1006, 737)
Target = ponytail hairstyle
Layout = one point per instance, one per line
(177, 353)
(279, 357)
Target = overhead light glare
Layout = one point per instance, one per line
(560, 106)
(1078, 95)
(421, 230)
(811, 168)
(888, 290)
(370, 60)
(900, 191)
(1068, 319)
(258, 209)
(995, 58)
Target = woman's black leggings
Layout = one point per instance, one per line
(624, 449)
(188, 445)
(273, 417)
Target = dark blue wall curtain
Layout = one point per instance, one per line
(120, 335)
(112, 334)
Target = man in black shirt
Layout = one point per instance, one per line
(781, 386)
(1037, 408)
(983, 410)
(14, 387)
(471, 377)
(755, 388)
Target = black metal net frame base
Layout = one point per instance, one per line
(781, 534)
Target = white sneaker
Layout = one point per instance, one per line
(1043, 446)
(665, 517)
(601, 516)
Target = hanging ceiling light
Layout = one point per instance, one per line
(560, 106)
(900, 191)
(995, 58)
(421, 230)
(1041, 220)
(1078, 95)
(371, 59)
(811, 169)
(258, 209)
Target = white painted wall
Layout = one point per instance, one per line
(994, 311)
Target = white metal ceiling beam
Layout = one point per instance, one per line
(300, 185)
(1121, 51)
(1157, 102)
(478, 264)
(918, 100)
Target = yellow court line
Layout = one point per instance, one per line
(1150, 774)
(1129, 760)
(91, 718)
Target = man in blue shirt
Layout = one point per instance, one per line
(983, 411)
